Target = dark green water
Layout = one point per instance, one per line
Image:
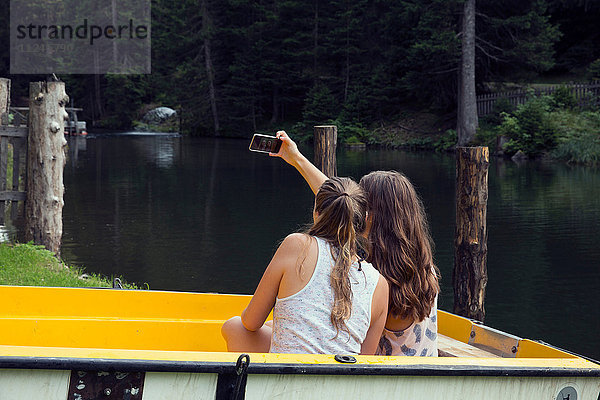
(206, 215)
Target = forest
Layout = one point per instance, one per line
(234, 67)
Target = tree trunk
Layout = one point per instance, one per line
(316, 43)
(469, 276)
(206, 33)
(325, 146)
(347, 77)
(45, 164)
(114, 22)
(276, 107)
(467, 101)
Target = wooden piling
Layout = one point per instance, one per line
(325, 146)
(45, 164)
(470, 255)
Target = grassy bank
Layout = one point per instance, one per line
(31, 265)
(553, 126)
(410, 130)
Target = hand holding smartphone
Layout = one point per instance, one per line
(265, 144)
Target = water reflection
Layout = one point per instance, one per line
(206, 215)
(12, 221)
(8, 233)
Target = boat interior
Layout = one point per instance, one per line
(176, 321)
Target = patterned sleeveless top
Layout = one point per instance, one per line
(302, 321)
(419, 339)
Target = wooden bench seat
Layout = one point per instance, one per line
(448, 347)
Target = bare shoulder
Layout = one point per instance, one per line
(291, 248)
(291, 259)
(295, 241)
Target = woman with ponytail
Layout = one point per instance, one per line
(400, 248)
(325, 298)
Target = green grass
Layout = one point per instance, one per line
(32, 265)
(579, 137)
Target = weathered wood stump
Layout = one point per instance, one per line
(470, 255)
(325, 146)
(45, 164)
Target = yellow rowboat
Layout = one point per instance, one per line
(64, 343)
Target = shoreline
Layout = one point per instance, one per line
(27, 264)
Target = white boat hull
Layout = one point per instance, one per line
(27, 384)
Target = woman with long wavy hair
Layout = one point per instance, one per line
(400, 248)
(324, 298)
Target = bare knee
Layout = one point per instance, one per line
(231, 327)
(238, 338)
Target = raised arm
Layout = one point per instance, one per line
(290, 153)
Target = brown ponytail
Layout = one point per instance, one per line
(341, 208)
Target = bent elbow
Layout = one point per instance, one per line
(250, 325)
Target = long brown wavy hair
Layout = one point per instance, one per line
(400, 244)
(341, 206)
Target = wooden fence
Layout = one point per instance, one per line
(13, 157)
(587, 94)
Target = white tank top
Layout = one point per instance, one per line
(302, 321)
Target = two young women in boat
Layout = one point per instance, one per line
(399, 247)
(324, 297)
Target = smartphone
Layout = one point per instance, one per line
(265, 144)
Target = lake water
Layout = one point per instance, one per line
(205, 215)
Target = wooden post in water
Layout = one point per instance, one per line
(469, 276)
(325, 146)
(45, 164)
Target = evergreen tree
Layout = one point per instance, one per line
(319, 106)
(360, 61)
(580, 41)
(515, 37)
